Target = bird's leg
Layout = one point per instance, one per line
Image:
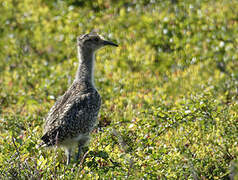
(68, 154)
(81, 144)
(79, 151)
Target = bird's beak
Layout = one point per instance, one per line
(109, 43)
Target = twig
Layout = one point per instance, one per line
(29, 168)
(82, 161)
(122, 143)
(18, 153)
(83, 158)
(124, 146)
(130, 167)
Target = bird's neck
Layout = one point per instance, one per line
(85, 72)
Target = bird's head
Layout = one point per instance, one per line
(93, 41)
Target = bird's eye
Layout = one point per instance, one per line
(96, 39)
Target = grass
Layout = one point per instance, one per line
(170, 96)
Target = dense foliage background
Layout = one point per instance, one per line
(170, 91)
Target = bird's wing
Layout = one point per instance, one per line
(75, 116)
(52, 116)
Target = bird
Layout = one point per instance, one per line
(74, 115)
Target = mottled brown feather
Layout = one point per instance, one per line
(73, 114)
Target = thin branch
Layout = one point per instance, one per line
(82, 161)
(124, 147)
(18, 153)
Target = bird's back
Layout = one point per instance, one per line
(74, 114)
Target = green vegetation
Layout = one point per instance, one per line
(170, 91)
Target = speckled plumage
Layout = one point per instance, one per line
(74, 114)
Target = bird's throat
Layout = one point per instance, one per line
(85, 72)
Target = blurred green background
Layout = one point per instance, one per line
(169, 91)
